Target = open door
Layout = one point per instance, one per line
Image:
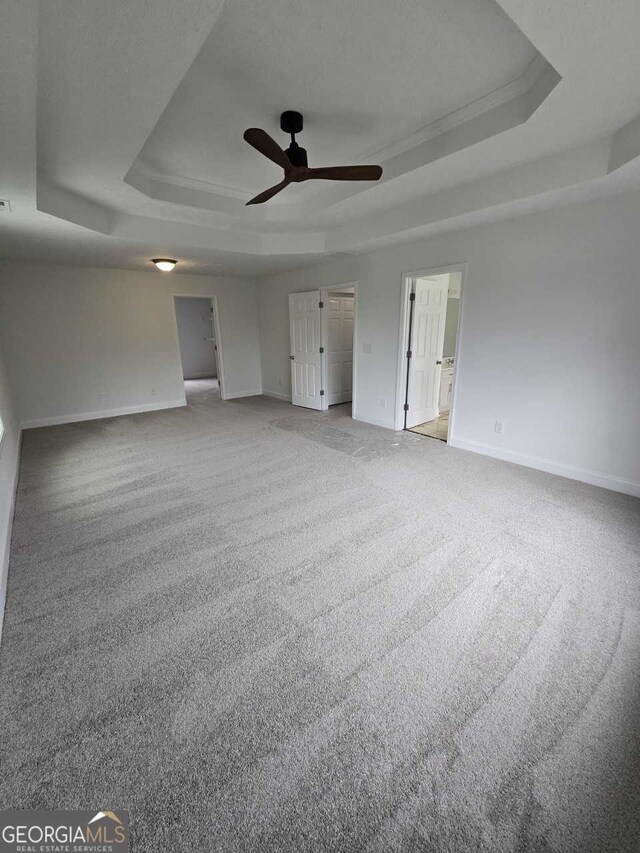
(429, 308)
(304, 320)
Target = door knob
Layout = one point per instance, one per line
(438, 362)
(291, 357)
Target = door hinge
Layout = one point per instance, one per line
(321, 304)
(408, 353)
(406, 407)
(412, 297)
(322, 393)
(321, 349)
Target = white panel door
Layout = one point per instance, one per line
(304, 317)
(339, 348)
(427, 342)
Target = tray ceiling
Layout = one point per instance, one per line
(122, 123)
(365, 74)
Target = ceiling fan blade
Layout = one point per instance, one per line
(262, 142)
(346, 173)
(267, 194)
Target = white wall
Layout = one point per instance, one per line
(451, 327)
(9, 452)
(93, 342)
(196, 337)
(550, 336)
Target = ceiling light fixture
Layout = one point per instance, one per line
(164, 264)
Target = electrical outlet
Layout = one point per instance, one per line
(498, 427)
(154, 392)
(104, 396)
(366, 347)
(383, 403)
(280, 382)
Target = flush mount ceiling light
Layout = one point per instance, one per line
(164, 264)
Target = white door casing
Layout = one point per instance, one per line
(426, 345)
(212, 340)
(305, 332)
(338, 346)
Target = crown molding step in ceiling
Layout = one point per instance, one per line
(124, 131)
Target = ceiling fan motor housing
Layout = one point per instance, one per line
(297, 155)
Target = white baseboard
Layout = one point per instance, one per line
(387, 424)
(4, 557)
(594, 478)
(235, 394)
(208, 375)
(103, 413)
(277, 395)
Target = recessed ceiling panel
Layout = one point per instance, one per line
(366, 74)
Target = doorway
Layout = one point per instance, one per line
(338, 345)
(429, 344)
(322, 341)
(199, 343)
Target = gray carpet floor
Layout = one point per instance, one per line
(258, 628)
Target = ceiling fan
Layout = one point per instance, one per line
(294, 159)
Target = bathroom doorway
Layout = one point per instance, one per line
(429, 345)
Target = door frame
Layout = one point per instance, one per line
(403, 337)
(324, 292)
(216, 326)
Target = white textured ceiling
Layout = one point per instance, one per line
(121, 131)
